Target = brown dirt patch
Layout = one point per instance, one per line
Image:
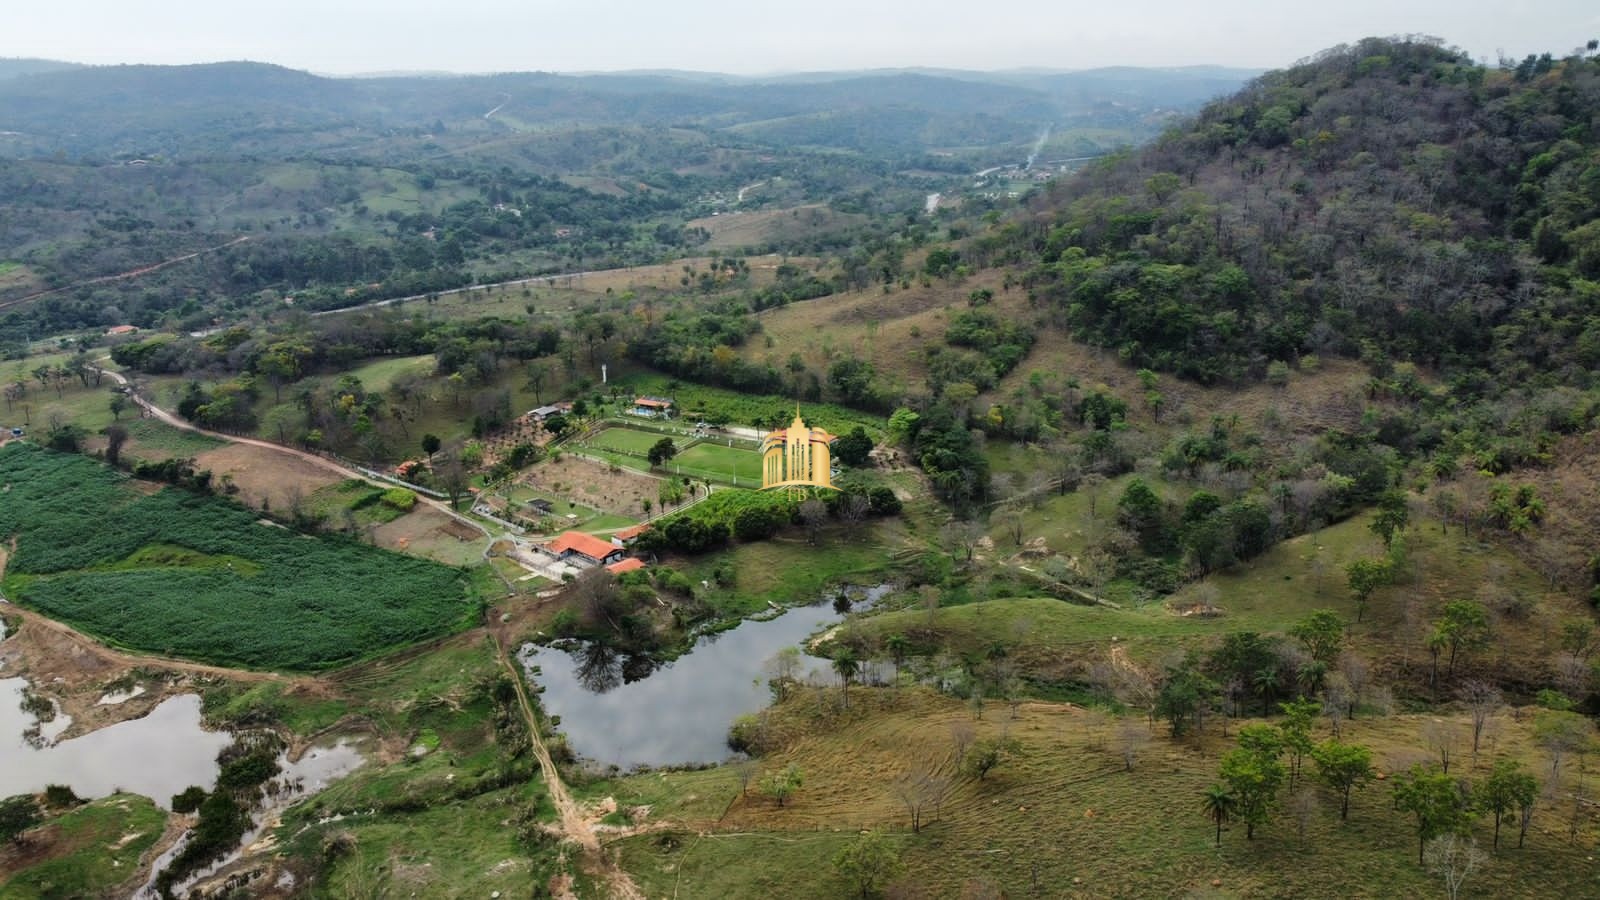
(618, 491)
(430, 533)
(261, 474)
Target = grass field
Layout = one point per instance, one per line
(1064, 818)
(788, 571)
(728, 463)
(769, 226)
(309, 602)
(625, 440)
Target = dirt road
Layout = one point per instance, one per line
(575, 826)
(131, 273)
(168, 418)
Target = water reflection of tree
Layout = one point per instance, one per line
(601, 668)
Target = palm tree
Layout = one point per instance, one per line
(1267, 682)
(847, 666)
(1219, 804)
(898, 646)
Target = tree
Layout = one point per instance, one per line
(118, 403)
(1453, 857)
(1508, 788)
(854, 448)
(1321, 633)
(919, 790)
(899, 647)
(1463, 626)
(1365, 576)
(846, 664)
(1340, 768)
(17, 815)
(430, 446)
(1253, 776)
(781, 785)
(962, 538)
(1482, 700)
(557, 424)
(1219, 805)
(1560, 732)
(1298, 717)
(987, 754)
(661, 451)
(1391, 517)
(813, 515)
(1183, 699)
(453, 478)
(1435, 800)
(781, 669)
(116, 438)
(868, 865)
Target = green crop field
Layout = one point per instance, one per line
(199, 577)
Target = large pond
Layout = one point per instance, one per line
(623, 711)
(157, 755)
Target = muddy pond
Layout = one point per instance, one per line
(628, 711)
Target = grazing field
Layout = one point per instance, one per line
(242, 592)
(1065, 817)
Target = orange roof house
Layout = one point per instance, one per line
(627, 536)
(625, 565)
(116, 330)
(585, 547)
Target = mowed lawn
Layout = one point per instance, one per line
(729, 462)
(625, 440)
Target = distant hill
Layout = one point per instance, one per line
(13, 68)
(175, 110)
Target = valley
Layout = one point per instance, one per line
(1214, 517)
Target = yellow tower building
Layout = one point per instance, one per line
(797, 456)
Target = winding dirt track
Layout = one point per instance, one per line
(570, 815)
(131, 273)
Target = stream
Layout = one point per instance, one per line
(629, 712)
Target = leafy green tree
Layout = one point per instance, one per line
(661, 451)
(1463, 626)
(1364, 577)
(1298, 717)
(853, 449)
(557, 424)
(17, 814)
(1391, 517)
(1219, 805)
(780, 786)
(1342, 767)
(1253, 776)
(868, 865)
(1508, 788)
(1140, 510)
(898, 647)
(1321, 633)
(1436, 800)
(431, 445)
(1184, 697)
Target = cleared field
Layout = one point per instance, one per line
(266, 477)
(773, 226)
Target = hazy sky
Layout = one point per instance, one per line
(749, 36)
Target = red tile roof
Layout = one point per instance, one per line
(587, 544)
(628, 534)
(625, 565)
(650, 402)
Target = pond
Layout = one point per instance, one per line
(617, 710)
(156, 756)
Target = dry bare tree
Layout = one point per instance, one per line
(1482, 700)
